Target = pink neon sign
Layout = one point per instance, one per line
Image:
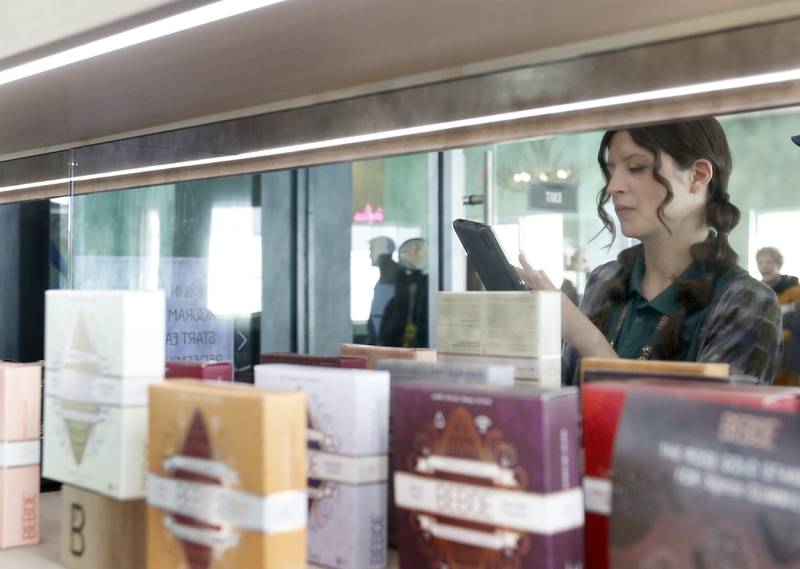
(368, 215)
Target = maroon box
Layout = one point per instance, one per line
(603, 404)
(222, 371)
(353, 362)
(706, 477)
(487, 477)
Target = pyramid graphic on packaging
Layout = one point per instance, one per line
(469, 439)
(80, 360)
(197, 538)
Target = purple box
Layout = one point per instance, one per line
(487, 477)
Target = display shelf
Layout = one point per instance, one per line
(46, 554)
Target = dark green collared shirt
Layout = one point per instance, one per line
(639, 330)
(741, 326)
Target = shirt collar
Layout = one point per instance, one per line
(667, 300)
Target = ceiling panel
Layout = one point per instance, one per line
(305, 51)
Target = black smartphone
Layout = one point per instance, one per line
(487, 256)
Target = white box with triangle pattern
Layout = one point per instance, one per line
(102, 350)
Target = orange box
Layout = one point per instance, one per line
(227, 477)
(375, 353)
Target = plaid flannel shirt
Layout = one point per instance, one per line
(742, 326)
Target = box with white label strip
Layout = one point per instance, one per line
(544, 372)
(515, 324)
(96, 444)
(20, 426)
(487, 477)
(227, 477)
(348, 417)
(476, 371)
(103, 349)
(110, 333)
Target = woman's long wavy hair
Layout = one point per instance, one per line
(685, 142)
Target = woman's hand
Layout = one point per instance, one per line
(533, 279)
(576, 329)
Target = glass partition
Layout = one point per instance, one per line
(546, 193)
(340, 253)
(389, 262)
(200, 241)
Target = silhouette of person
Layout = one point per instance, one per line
(380, 252)
(405, 322)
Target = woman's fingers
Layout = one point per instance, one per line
(523, 276)
(533, 279)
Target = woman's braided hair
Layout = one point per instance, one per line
(685, 142)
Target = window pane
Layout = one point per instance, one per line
(389, 261)
(200, 241)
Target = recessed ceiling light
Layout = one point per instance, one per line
(185, 20)
(559, 109)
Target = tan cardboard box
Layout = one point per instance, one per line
(98, 532)
(227, 482)
(375, 353)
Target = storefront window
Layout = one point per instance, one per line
(545, 196)
(389, 262)
(200, 241)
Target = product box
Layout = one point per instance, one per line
(221, 371)
(707, 482)
(348, 421)
(487, 477)
(98, 445)
(103, 349)
(20, 428)
(115, 333)
(614, 369)
(511, 323)
(543, 372)
(227, 477)
(456, 372)
(19, 494)
(450, 372)
(355, 362)
(376, 353)
(98, 532)
(603, 404)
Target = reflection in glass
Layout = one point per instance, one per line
(389, 257)
(199, 241)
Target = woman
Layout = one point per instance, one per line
(787, 289)
(678, 295)
(770, 263)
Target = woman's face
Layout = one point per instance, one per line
(637, 195)
(767, 266)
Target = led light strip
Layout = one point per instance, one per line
(564, 108)
(154, 30)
